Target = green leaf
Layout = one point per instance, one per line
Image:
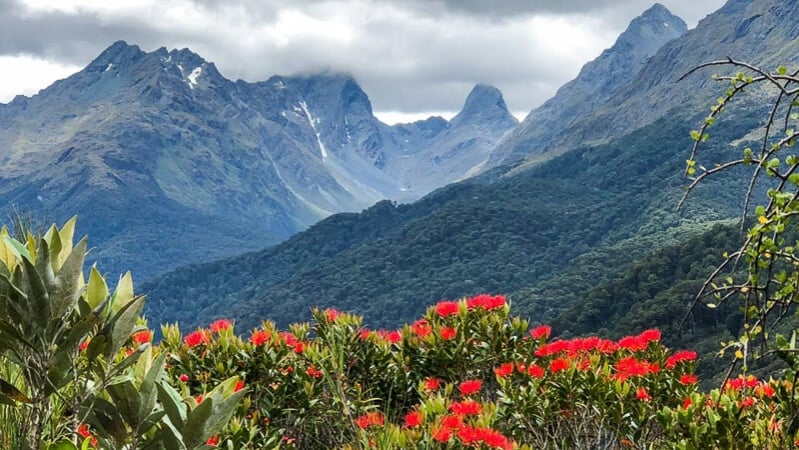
(122, 324)
(173, 404)
(63, 444)
(782, 70)
(97, 290)
(194, 431)
(68, 281)
(126, 399)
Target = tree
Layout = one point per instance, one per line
(764, 272)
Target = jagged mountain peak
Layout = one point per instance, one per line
(646, 32)
(484, 103)
(120, 53)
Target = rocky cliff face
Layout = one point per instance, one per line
(763, 32)
(429, 154)
(169, 163)
(598, 81)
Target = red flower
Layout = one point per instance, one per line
(473, 436)
(431, 384)
(765, 390)
(421, 328)
(183, 377)
(466, 408)
(541, 331)
(686, 403)
(260, 337)
(332, 314)
(83, 431)
(239, 386)
(650, 335)
(448, 333)
(470, 387)
(559, 364)
(746, 402)
(393, 337)
(413, 419)
(442, 435)
(370, 419)
(142, 337)
(452, 422)
(299, 347)
(314, 372)
(642, 394)
(196, 338)
(682, 355)
(213, 440)
(221, 325)
(199, 399)
(447, 308)
(84, 345)
(504, 370)
(535, 371)
(486, 302)
(687, 379)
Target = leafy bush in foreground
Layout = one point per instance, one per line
(77, 368)
(468, 375)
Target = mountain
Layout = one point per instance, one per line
(138, 142)
(432, 153)
(545, 233)
(762, 32)
(598, 80)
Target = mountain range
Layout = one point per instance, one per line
(544, 226)
(169, 163)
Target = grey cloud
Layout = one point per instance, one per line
(408, 63)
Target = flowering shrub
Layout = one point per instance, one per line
(468, 375)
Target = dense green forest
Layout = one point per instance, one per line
(584, 217)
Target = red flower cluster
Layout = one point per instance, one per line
(469, 387)
(221, 325)
(370, 419)
(331, 314)
(260, 337)
(291, 341)
(196, 338)
(632, 367)
(504, 370)
(486, 302)
(142, 337)
(313, 372)
(479, 436)
(680, 356)
(466, 408)
(421, 328)
(448, 333)
(541, 331)
(431, 384)
(639, 342)
(83, 431)
(688, 379)
(413, 419)
(392, 337)
(642, 394)
(447, 308)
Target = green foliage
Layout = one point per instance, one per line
(76, 359)
(500, 232)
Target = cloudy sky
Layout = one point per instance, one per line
(413, 57)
